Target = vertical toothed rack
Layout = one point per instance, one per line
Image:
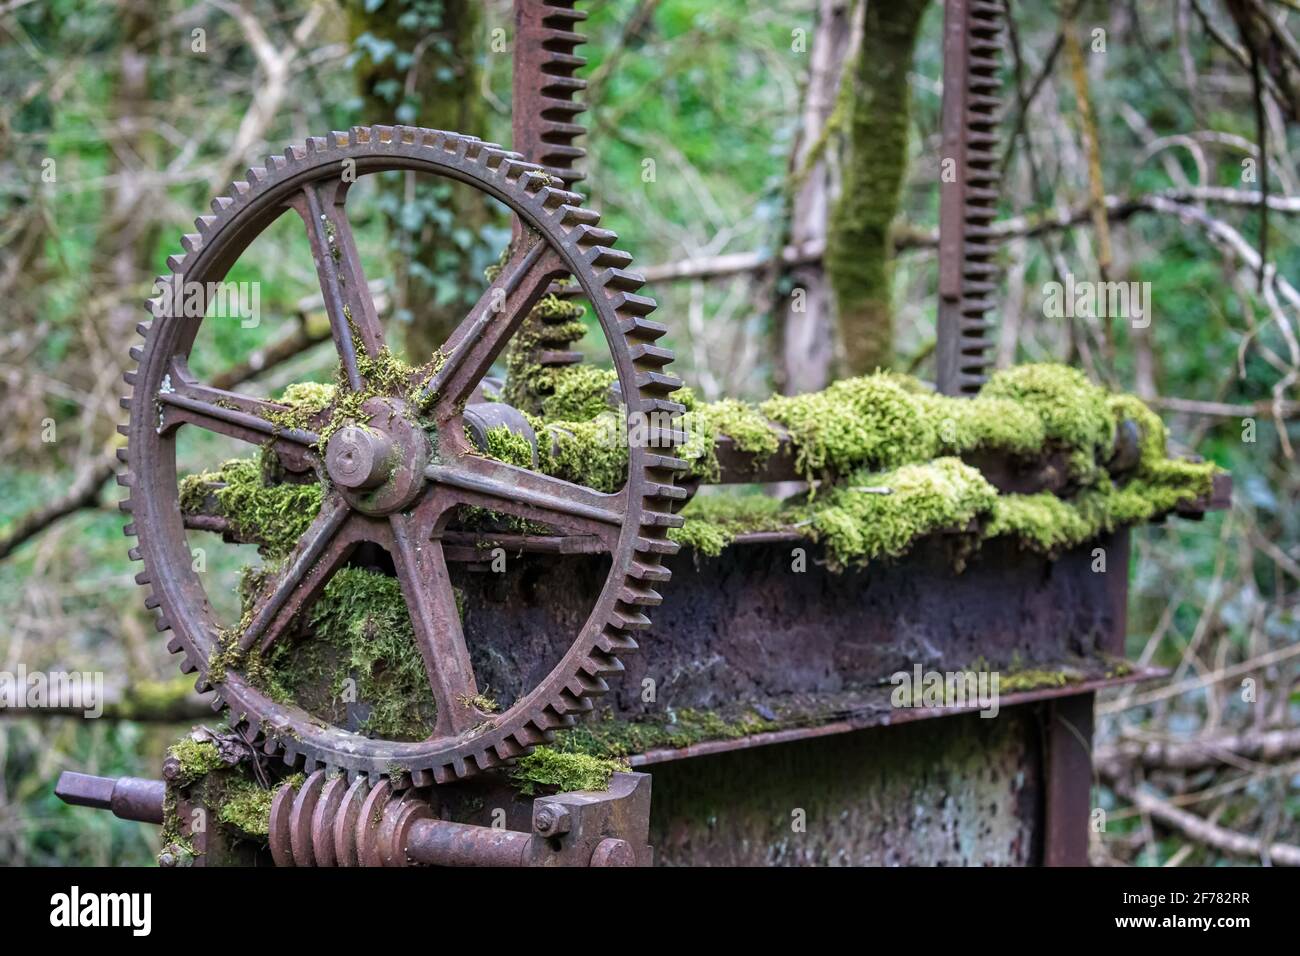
(545, 105)
(968, 203)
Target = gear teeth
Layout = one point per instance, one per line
(620, 279)
(577, 215)
(651, 355)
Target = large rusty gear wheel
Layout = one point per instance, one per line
(393, 480)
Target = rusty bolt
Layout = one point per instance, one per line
(551, 820)
(171, 769)
(612, 852)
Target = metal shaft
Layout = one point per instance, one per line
(443, 843)
(130, 798)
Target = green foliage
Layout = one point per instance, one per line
(739, 421)
(590, 453)
(361, 631)
(578, 393)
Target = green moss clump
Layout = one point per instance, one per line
(553, 323)
(578, 393)
(275, 516)
(588, 453)
(309, 398)
(1074, 412)
(857, 526)
(563, 772)
(869, 422)
(358, 647)
(509, 447)
(741, 422)
(197, 759)
(361, 630)
(246, 805)
(1036, 678)
(713, 521)
(966, 425)
(1042, 522)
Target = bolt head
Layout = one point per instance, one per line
(358, 458)
(551, 820)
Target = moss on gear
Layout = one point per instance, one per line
(556, 222)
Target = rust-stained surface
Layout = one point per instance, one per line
(962, 791)
(745, 629)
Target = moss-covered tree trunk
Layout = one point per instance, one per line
(875, 123)
(418, 63)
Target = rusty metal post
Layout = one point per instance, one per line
(968, 193)
(1068, 790)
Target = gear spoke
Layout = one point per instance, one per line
(567, 507)
(426, 585)
(318, 555)
(483, 334)
(182, 399)
(343, 283)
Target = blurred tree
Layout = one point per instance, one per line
(875, 105)
(805, 340)
(418, 62)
